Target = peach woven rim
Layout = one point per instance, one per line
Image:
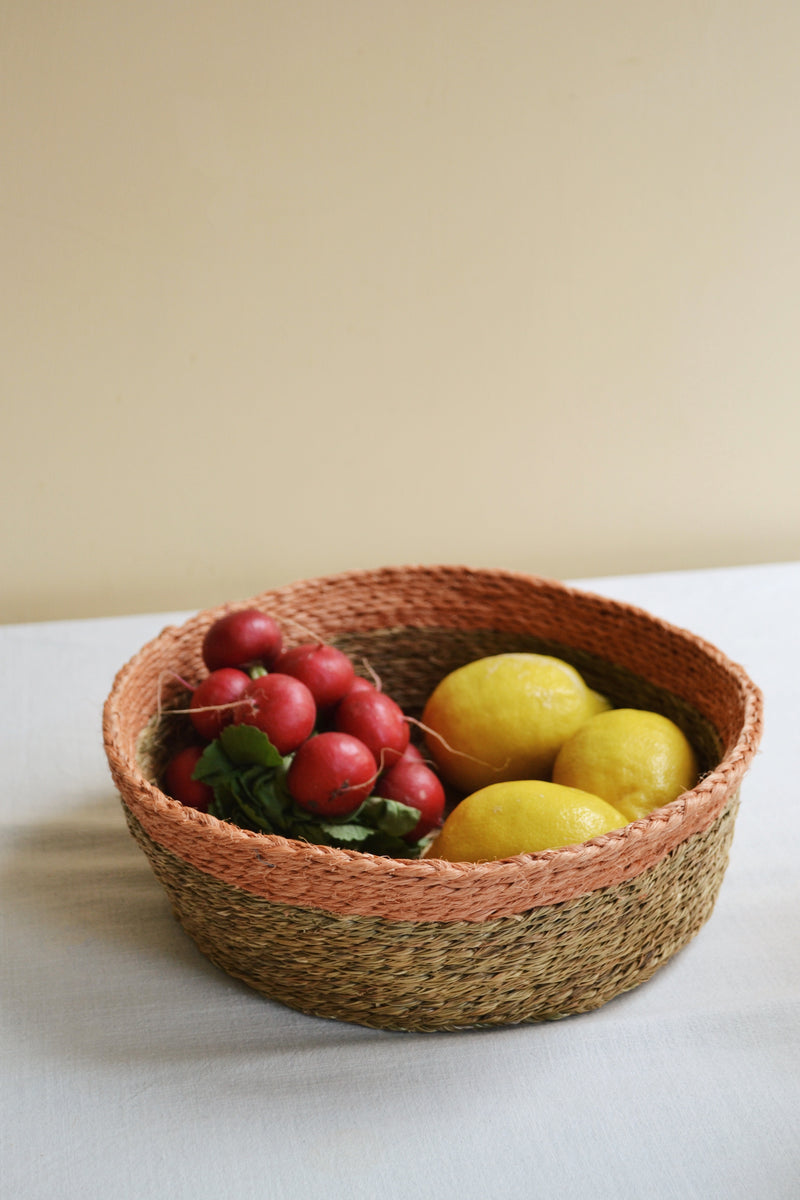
(449, 597)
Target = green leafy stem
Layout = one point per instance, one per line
(248, 776)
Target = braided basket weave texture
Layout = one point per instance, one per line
(426, 944)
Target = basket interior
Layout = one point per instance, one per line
(410, 662)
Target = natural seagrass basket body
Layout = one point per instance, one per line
(427, 945)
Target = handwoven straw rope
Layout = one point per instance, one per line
(554, 961)
(456, 599)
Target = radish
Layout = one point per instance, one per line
(412, 752)
(179, 783)
(411, 782)
(326, 671)
(360, 684)
(331, 774)
(218, 691)
(375, 719)
(241, 639)
(282, 707)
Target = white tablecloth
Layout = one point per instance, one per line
(132, 1068)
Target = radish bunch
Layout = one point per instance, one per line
(331, 747)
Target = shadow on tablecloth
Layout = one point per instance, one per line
(99, 968)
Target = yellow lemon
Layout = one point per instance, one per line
(598, 703)
(504, 718)
(635, 760)
(521, 817)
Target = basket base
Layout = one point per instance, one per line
(550, 962)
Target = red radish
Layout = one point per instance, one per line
(412, 783)
(241, 639)
(220, 690)
(282, 707)
(179, 782)
(377, 720)
(360, 684)
(326, 671)
(328, 715)
(331, 774)
(412, 752)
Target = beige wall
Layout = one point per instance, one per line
(290, 288)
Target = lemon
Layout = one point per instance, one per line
(598, 703)
(635, 760)
(520, 817)
(504, 718)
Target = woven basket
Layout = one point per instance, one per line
(428, 945)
